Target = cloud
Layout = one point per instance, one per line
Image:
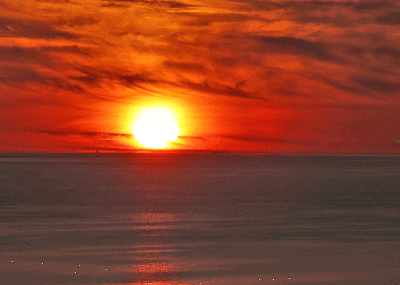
(185, 66)
(17, 76)
(392, 18)
(114, 5)
(363, 6)
(207, 19)
(24, 56)
(174, 4)
(343, 14)
(32, 29)
(388, 51)
(111, 57)
(68, 49)
(99, 148)
(192, 138)
(169, 4)
(300, 7)
(97, 75)
(86, 134)
(383, 86)
(295, 45)
(344, 86)
(252, 139)
(55, 1)
(80, 20)
(216, 89)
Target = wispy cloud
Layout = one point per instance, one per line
(87, 134)
(392, 18)
(101, 59)
(32, 29)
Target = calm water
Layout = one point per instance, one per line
(199, 218)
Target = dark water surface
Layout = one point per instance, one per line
(199, 218)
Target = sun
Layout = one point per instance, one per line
(155, 129)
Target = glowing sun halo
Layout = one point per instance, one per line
(155, 130)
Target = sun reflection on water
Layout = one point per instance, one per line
(154, 263)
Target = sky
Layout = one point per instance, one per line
(298, 76)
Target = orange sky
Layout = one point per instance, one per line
(240, 75)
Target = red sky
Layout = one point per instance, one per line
(240, 75)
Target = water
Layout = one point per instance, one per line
(199, 218)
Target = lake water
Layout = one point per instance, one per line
(199, 219)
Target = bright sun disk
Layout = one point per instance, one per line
(155, 130)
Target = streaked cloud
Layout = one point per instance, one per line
(392, 18)
(32, 29)
(85, 64)
(294, 46)
(88, 134)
